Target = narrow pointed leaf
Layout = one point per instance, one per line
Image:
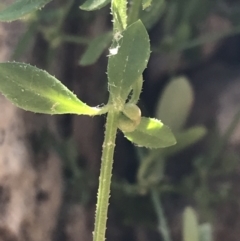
(20, 8)
(95, 49)
(35, 90)
(151, 133)
(127, 61)
(119, 12)
(91, 5)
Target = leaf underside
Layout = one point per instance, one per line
(35, 90)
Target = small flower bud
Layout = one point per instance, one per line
(133, 112)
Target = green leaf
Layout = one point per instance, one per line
(127, 61)
(91, 5)
(35, 90)
(175, 103)
(20, 8)
(95, 49)
(119, 12)
(185, 139)
(146, 3)
(151, 133)
(190, 225)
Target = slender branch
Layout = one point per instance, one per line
(162, 223)
(105, 177)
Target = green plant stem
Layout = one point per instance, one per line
(162, 223)
(133, 15)
(105, 177)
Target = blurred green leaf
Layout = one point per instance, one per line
(20, 8)
(205, 232)
(128, 58)
(95, 49)
(182, 34)
(175, 103)
(190, 225)
(91, 5)
(35, 90)
(185, 139)
(151, 133)
(151, 171)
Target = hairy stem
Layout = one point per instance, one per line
(105, 177)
